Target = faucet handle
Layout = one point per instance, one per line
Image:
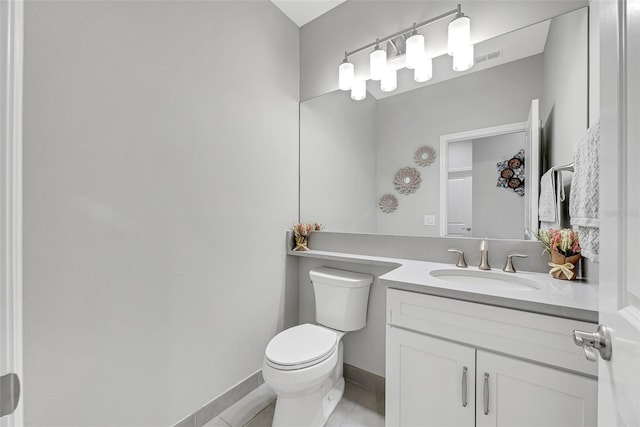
(509, 265)
(461, 262)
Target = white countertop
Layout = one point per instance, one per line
(570, 299)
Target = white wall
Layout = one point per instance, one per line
(160, 171)
(338, 162)
(497, 212)
(356, 23)
(492, 97)
(564, 104)
(460, 155)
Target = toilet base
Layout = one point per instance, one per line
(316, 405)
(312, 410)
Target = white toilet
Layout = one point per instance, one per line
(303, 364)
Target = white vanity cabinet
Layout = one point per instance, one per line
(430, 381)
(456, 363)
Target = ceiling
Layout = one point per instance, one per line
(303, 11)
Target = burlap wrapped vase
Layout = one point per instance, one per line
(564, 267)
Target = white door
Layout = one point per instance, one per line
(430, 382)
(512, 393)
(10, 212)
(460, 206)
(619, 378)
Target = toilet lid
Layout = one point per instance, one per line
(301, 345)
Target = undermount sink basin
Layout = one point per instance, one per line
(486, 279)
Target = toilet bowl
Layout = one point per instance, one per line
(303, 364)
(306, 375)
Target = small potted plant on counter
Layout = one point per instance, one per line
(301, 233)
(563, 246)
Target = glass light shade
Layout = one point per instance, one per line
(463, 58)
(345, 76)
(377, 64)
(424, 71)
(459, 34)
(390, 81)
(415, 50)
(359, 90)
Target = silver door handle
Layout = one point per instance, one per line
(485, 395)
(590, 341)
(9, 393)
(464, 387)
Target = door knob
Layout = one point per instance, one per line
(9, 393)
(591, 341)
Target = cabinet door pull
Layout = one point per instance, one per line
(464, 387)
(485, 396)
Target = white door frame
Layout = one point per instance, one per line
(11, 50)
(619, 378)
(444, 158)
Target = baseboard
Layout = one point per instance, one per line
(218, 405)
(363, 378)
(356, 375)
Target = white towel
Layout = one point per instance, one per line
(584, 199)
(547, 202)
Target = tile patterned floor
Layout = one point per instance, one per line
(358, 407)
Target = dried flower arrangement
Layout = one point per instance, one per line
(563, 240)
(301, 233)
(563, 246)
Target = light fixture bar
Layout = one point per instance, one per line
(406, 30)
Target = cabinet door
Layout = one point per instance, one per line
(512, 392)
(425, 377)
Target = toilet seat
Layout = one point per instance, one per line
(300, 347)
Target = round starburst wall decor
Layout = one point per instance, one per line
(424, 156)
(407, 180)
(388, 203)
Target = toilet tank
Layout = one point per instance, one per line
(342, 298)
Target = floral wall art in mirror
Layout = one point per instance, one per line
(407, 180)
(388, 203)
(424, 156)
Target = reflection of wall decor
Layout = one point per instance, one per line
(424, 156)
(388, 203)
(407, 180)
(512, 173)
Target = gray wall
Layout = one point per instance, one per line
(564, 104)
(492, 97)
(357, 23)
(338, 162)
(160, 160)
(497, 212)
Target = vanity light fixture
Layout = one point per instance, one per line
(411, 55)
(378, 63)
(359, 90)
(463, 58)
(423, 71)
(389, 81)
(459, 32)
(346, 74)
(415, 49)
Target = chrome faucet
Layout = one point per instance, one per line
(484, 256)
(461, 262)
(509, 268)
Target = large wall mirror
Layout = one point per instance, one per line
(351, 151)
